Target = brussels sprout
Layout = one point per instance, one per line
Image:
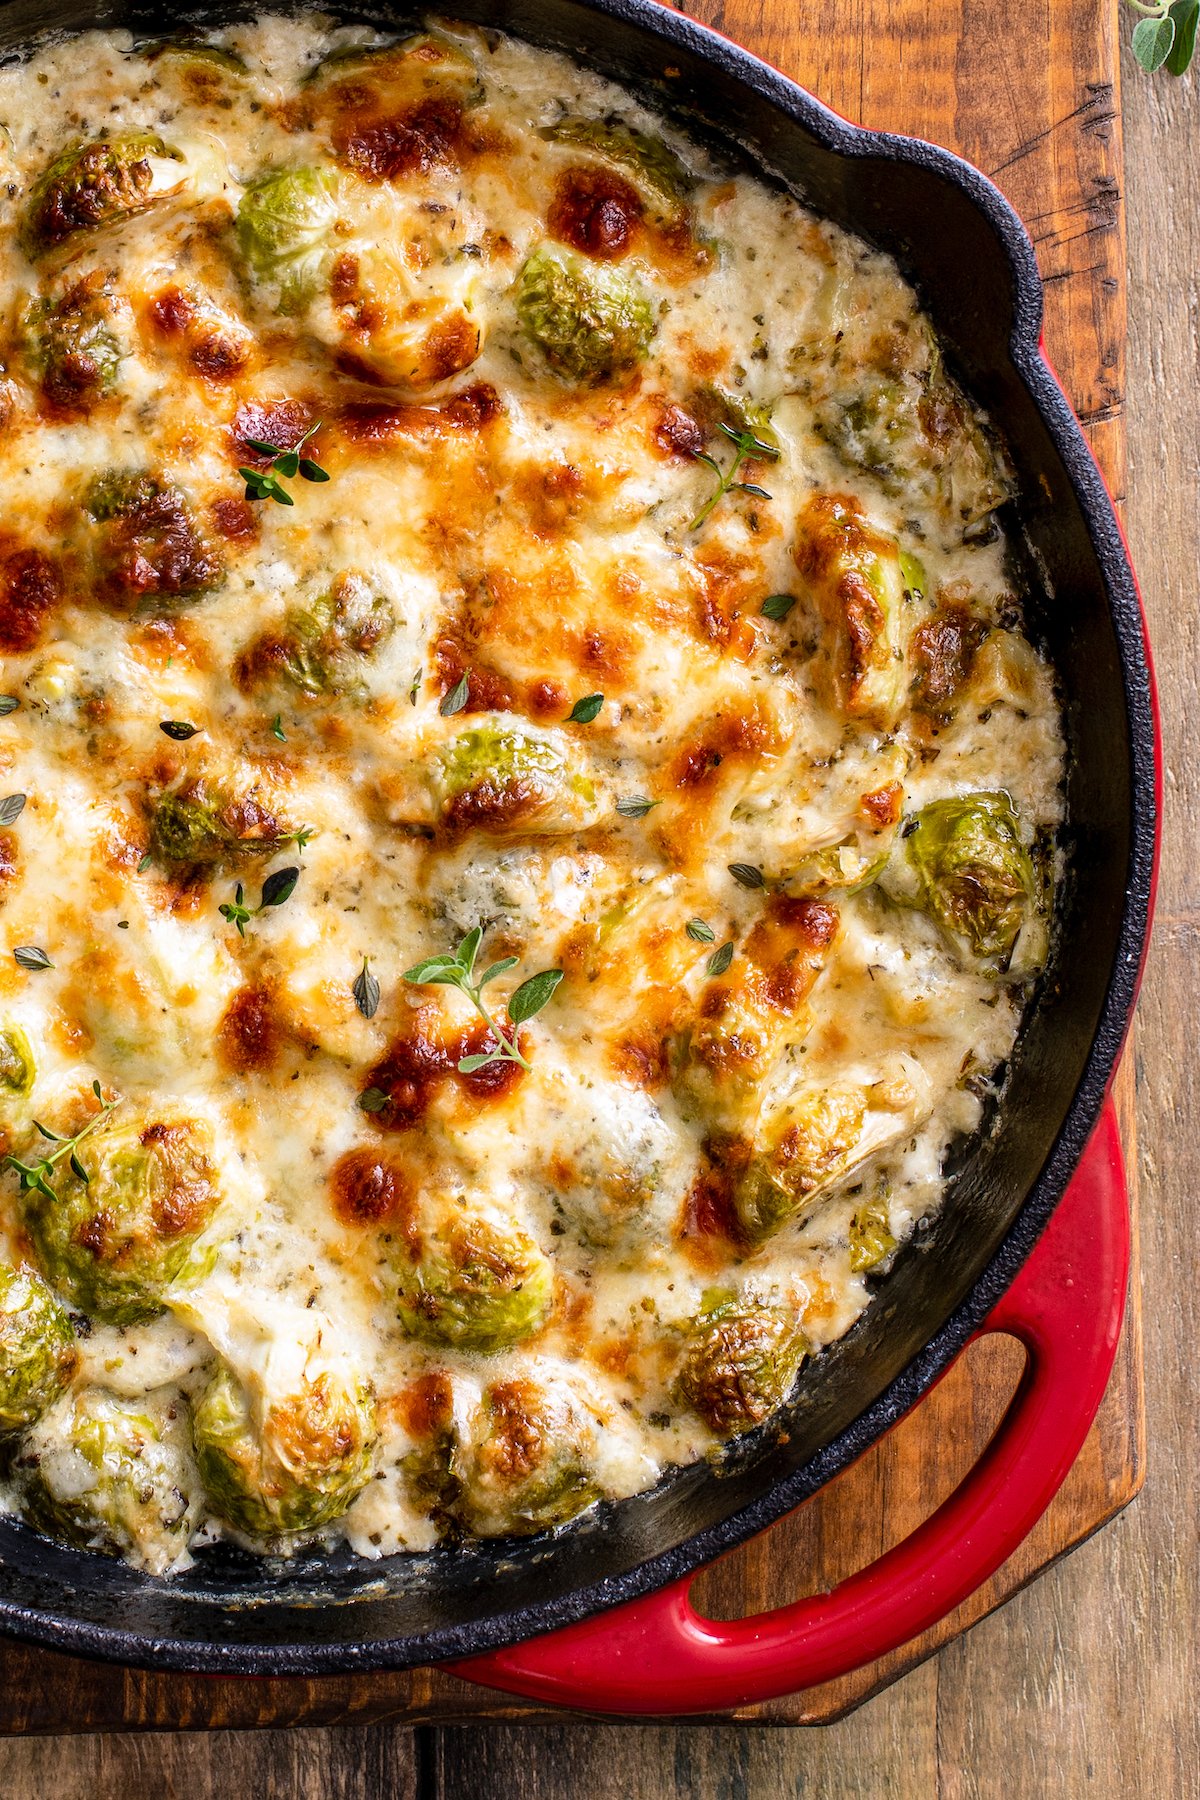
(113, 1243)
(113, 1475)
(148, 546)
(286, 1465)
(503, 775)
(71, 343)
(590, 322)
(96, 184)
(739, 1363)
(611, 1163)
(471, 1282)
(285, 221)
(531, 1467)
(37, 1349)
(871, 1240)
(216, 817)
(972, 872)
(194, 57)
(810, 1142)
(416, 67)
(856, 576)
(661, 178)
(18, 1066)
(321, 647)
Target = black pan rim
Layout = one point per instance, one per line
(111, 1644)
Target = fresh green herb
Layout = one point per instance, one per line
(179, 729)
(778, 606)
(585, 710)
(267, 484)
(454, 701)
(700, 933)
(1165, 34)
(747, 448)
(146, 862)
(11, 809)
(303, 838)
(636, 807)
(373, 1100)
(747, 875)
(366, 991)
(28, 956)
(36, 1175)
(277, 730)
(122, 924)
(414, 687)
(8, 703)
(458, 970)
(720, 960)
(275, 890)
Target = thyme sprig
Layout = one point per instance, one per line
(458, 970)
(35, 1176)
(267, 484)
(747, 448)
(275, 890)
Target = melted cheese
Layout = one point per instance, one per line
(488, 516)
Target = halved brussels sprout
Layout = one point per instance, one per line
(193, 56)
(274, 1467)
(532, 1462)
(590, 322)
(215, 816)
(972, 873)
(322, 647)
(98, 183)
(284, 227)
(611, 1162)
(113, 1243)
(471, 1281)
(72, 345)
(739, 1362)
(810, 1142)
(657, 172)
(426, 63)
(871, 1240)
(503, 775)
(856, 575)
(113, 1475)
(37, 1349)
(18, 1065)
(148, 545)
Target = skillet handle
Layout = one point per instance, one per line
(658, 1656)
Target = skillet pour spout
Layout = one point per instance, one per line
(957, 239)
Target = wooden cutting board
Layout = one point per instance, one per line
(1029, 94)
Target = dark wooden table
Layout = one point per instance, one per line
(1087, 1682)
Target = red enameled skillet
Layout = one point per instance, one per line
(1008, 1248)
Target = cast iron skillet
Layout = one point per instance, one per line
(958, 240)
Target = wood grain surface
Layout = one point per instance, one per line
(1086, 1682)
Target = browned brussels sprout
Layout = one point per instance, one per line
(73, 344)
(503, 775)
(864, 591)
(471, 1281)
(661, 178)
(532, 1461)
(972, 872)
(115, 1241)
(321, 649)
(18, 1066)
(98, 183)
(148, 546)
(739, 1362)
(285, 1465)
(216, 815)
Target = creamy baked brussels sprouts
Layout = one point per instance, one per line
(217, 815)
(591, 323)
(148, 545)
(502, 775)
(322, 648)
(112, 1474)
(90, 185)
(37, 1349)
(74, 343)
(859, 581)
(470, 1280)
(739, 1362)
(660, 176)
(274, 1467)
(127, 1210)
